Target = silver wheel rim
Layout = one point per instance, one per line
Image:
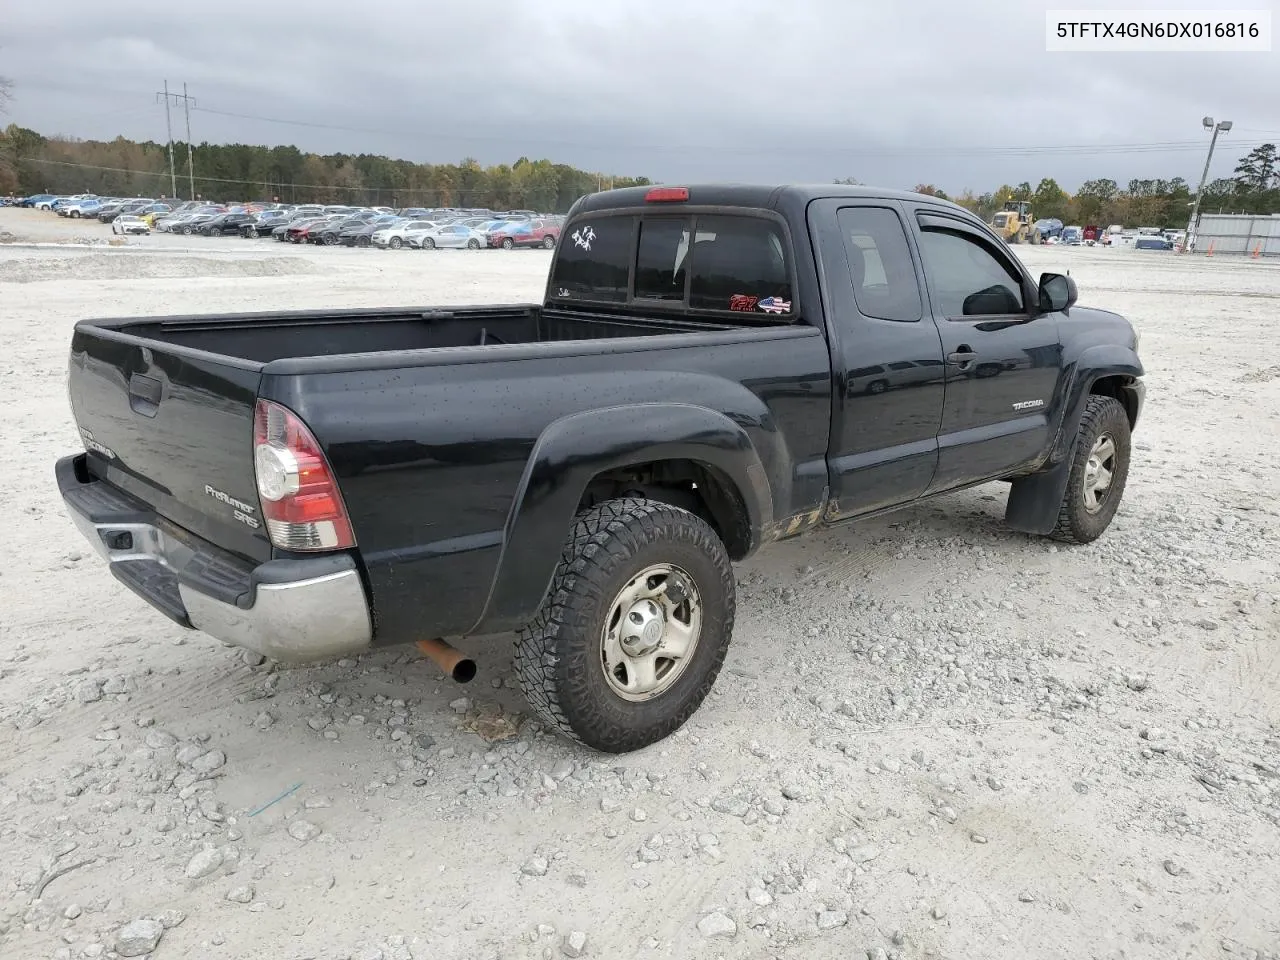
(651, 632)
(1099, 472)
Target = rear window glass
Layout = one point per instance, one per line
(594, 259)
(740, 264)
(660, 272)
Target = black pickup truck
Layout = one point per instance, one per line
(713, 368)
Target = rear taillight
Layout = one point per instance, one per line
(300, 498)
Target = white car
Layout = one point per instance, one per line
(129, 224)
(445, 235)
(394, 236)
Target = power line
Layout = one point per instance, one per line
(1066, 149)
(1072, 149)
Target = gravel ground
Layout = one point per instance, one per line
(932, 738)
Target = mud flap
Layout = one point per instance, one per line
(1034, 501)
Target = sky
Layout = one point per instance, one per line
(960, 95)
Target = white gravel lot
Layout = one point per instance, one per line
(932, 738)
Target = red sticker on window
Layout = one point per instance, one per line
(740, 301)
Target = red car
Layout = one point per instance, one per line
(525, 233)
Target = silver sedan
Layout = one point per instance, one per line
(447, 235)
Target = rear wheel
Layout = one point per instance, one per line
(634, 629)
(1099, 469)
(548, 242)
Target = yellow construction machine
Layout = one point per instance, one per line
(1016, 223)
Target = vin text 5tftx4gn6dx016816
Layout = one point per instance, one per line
(713, 368)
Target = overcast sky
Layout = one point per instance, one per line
(960, 94)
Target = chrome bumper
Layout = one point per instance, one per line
(294, 611)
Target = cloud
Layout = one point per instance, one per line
(896, 94)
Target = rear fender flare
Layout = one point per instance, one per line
(577, 448)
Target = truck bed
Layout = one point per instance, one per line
(263, 338)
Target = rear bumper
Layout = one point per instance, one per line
(294, 610)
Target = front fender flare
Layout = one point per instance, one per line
(1094, 363)
(575, 449)
(1034, 501)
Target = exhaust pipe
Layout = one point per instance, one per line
(453, 662)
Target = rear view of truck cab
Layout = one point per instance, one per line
(215, 506)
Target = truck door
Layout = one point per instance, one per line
(1003, 357)
(886, 357)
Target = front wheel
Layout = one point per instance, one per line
(508, 244)
(1099, 469)
(548, 243)
(634, 629)
(428, 243)
(396, 243)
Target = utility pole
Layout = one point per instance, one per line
(191, 170)
(173, 180)
(1194, 222)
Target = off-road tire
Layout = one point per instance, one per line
(558, 654)
(1102, 415)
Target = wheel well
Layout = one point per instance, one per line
(698, 487)
(1113, 387)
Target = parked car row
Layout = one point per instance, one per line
(415, 228)
(398, 231)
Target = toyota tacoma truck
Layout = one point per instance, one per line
(712, 369)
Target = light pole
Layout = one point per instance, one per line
(1193, 223)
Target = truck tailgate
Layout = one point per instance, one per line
(173, 427)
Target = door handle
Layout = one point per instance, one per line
(963, 356)
(145, 394)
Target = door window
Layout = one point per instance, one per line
(884, 278)
(968, 280)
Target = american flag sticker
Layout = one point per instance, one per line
(774, 305)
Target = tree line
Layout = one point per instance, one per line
(1253, 188)
(32, 163)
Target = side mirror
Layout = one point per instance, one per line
(1057, 292)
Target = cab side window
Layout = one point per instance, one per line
(880, 266)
